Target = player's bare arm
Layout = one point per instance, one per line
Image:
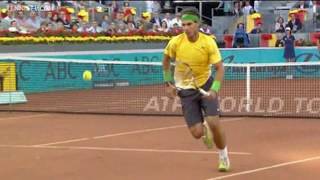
(219, 68)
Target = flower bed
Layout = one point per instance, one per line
(7, 37)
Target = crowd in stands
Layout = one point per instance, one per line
(76, 17)
(56, 16)
(120, 17)
(294, 20)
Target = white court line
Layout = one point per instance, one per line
(267, 168)
(111, 135)
(23, 117)
(124, 133)
(122, 149)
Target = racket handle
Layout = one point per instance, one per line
(203, 92)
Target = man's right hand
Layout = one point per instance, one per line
(212, 95)
(170, 90)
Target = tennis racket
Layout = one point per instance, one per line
(185, 78)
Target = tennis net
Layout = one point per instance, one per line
(136, 88)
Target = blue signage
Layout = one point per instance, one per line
(53, 76)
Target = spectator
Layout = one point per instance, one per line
(21, 20)
(256, 4)
(129, 14)
(130, 19)
(54, 20)
(153, 6)
(128, 11)
(125, 6)
(115, 8)
(112, 28)
(74, 28)
(13, 27)
(280, 25)
(48, 16)
(176, 20)
(155, 19)
(241, 38)
(131, 27)
(315, 4)
(241, 4)
(145, 21)
(60, 27)
(149, 6)
(95, 28)
(33, 22)
(167, 18)
(83, 27)
(119, 17)
(20, 6)
(257, 29)
(64, 19)
(294, 24)
(164, 26)
(105, 22)
(246, 9)
(77, 5)
(139, 26)
(43, 27)
(289, 52)
(205, 29)
(122, 28)
(302, 4)
(252, 11)
(155, 28)
(279, 43)
(2, 25)
(54, 17)
(166, 5)
(10, 17)
(227, 7)
(51, 27)
(237, 11)
(11, 6)
(176, 29)
(58, 3)
(47, 6)
(43, 16)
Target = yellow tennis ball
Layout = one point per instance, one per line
(87, 75)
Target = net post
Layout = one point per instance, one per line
(248, 76)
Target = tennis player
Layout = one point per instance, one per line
(201, 113)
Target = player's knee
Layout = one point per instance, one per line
(197, 131)
(213, 121)
(197, 134)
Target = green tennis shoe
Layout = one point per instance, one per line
(224, 165)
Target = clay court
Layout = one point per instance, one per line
(93, 133)
(70, 146)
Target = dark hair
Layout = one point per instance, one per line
(12, 22)
(238, 25)
(280, 17)
(190, 10)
